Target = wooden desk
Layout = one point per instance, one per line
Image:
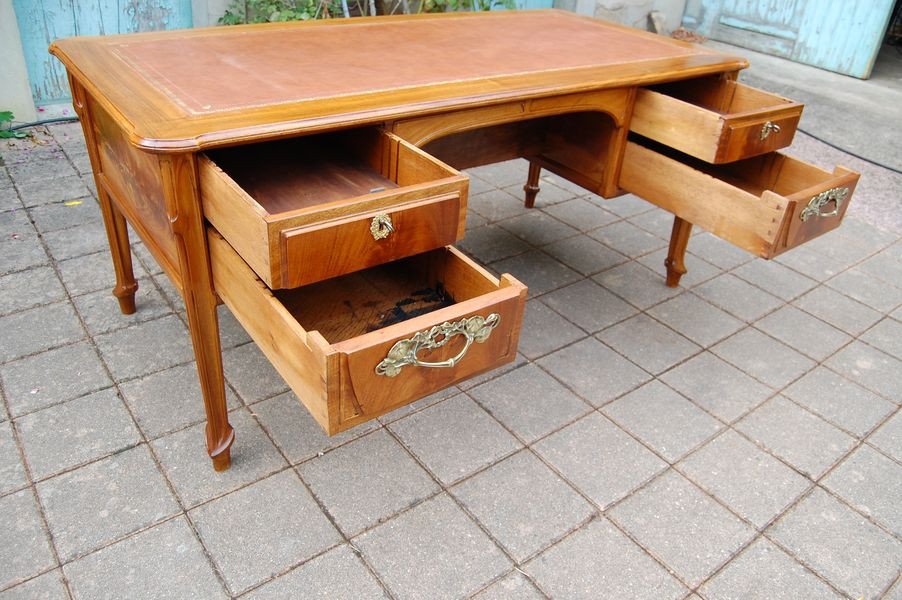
(261, 164)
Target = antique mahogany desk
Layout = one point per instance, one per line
(306, 175)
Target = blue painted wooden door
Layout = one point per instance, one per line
(42, 21)
(842, 36)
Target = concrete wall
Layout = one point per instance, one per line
(15, 93)
(628, 12)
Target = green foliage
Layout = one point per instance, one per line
(458, 5)
(6, 122)
(271, 11)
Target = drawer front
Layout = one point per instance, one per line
(322, 251)
(722, 121)
(765, 205)
(373, 370)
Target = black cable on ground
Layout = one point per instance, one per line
(858, 156)
(44, 122)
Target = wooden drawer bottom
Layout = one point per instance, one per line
(355, 347)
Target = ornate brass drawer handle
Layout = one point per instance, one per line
(835, 195)
(769, 128)
(476, 328)
(381, 226)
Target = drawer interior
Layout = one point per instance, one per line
(720, 96)
(352, 305)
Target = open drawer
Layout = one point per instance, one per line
(766, 205)
(360, 345)
(308, 209)
(714, 119)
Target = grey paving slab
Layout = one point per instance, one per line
(840, 545)
(871, 483)
(599, 561)
(185, 463)
(44, 190)
(512, 587)
(821, 261)
(648, 343)
(895, 592)
(77, 241)
(418, 405)
(251, 373)
(465, 385)
(636, 284)
(538, 271)
(367, 481)
(91, 273)
(101, 314)
(432, 551)
(595, 372)
(48, 586)
(474, 219)
(885, 266)
(663, 420)
(839, 310)
(31, 169)
(496, 205)
(537, 228)
(737, 297)
(775, 278)
(861, 286)
(589, 305)
(581, 214)
(143, 255)
(12, 470)
(765, 572)
(584, 254)
(754, 484)
(336, 575)
(805, 333)
(503, 174)
(856, 231)
(454, 438)
(600, 459)
(529, 402)
(763, 357)
(524, 505)
(24, 548)
(681, 525)
(625, 206)
(697, 270)
(296, 432)
(52, 377)
(718, 252)
(543, 331)
(839, 401)
(548, 194)
(163, 562)
(168, 400)
(75, 432)
(27, 289)
(885, 335)
(802, 439)
(146, 347)
(889, 437)
(718, 387)
(106, 500)
(38, 329)
(627, 239)
(697, 319)
(490, 243)
(242, 547)
(63, 215)
(21, 251)
(871, 368)
(656, 221)
(231, 333)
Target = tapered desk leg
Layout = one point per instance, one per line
(532, 185)
(117, 233)
(183, 206)
(679, 239)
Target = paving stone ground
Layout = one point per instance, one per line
(737, 437)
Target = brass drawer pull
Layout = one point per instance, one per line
(835, 195)
(404, 352)
(381, 226)
(769, 128)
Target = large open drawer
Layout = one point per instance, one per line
(714, 119)
(357, 346)
(308, 209)
(766, 205)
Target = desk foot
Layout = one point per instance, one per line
(679, 239)
(221, 452)
(126, 296)
(120, 251)
(532, 185)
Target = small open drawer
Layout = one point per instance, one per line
(308, 209)
(714, 119)
(360, 345)
(766, 205)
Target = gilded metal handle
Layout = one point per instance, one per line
(769, 128)
(381, 226)
(835, 195)
(474, 329)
